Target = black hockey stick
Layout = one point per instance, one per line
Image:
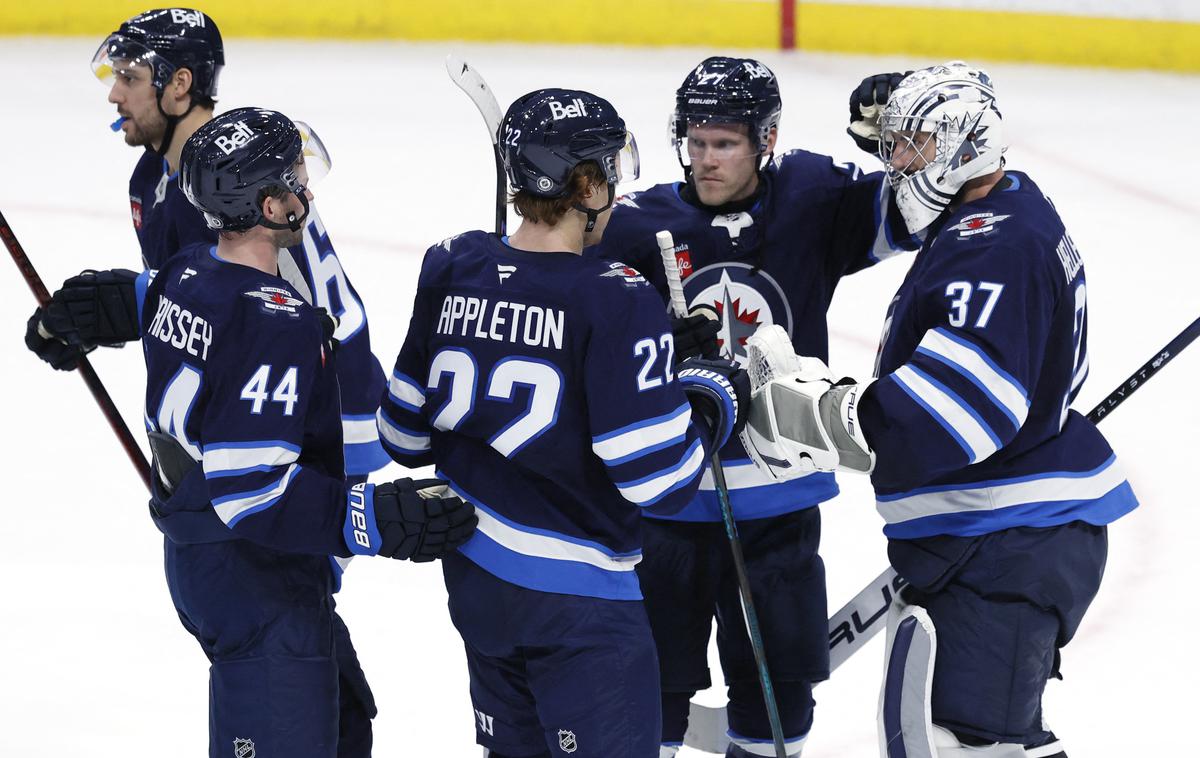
(107, 407)
(866, 614)
(470, 82)
(666, 247)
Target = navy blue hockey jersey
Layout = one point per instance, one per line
(983, 350)
(541, 385)
(166, 222)
(239, 374)
(778, 263)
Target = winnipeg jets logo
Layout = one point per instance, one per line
(629, 201)
(734, 223)
(275, 300)
(504, 271)
(977, 223)
(631, 275)
(743, 302)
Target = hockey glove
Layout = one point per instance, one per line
(695, 336)
(801, 419)
(407, 520)
(60, 355)
(94, 308)
(866, 106)
(719, 391)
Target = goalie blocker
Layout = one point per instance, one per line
(801, 419)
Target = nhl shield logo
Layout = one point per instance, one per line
(566, 741)
(243, 748)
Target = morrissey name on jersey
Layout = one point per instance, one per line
(181, 329)
(501, 321)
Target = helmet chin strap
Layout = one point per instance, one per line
(591, 213)
(172, 122)
(294, 222)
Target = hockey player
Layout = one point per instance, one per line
(758, 241)
(162, 68)
(543, 386)
(996, 494)
(242, 405)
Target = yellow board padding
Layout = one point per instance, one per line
(940, 34)
(720, 23)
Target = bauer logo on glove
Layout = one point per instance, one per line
(800, 419)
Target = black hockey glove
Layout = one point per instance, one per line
(866, 106)
(407, 520)
(94, 308)
(695, 336)
(720, 392)
(60, 355)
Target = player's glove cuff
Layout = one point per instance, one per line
(361, 532)
(720, 392)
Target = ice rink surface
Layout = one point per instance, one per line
(93, 661)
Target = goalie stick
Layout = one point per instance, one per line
(866, 614)
(666, 247)
(99, 393)
(470, 82)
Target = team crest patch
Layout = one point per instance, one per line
(630, 275)
(243, 748)
(135, 210)
(275, 299)
(977, 223)
(566, 741)
(743, 302)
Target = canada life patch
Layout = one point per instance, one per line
(276, 300)
(977, 223)
(135, 210)
(629, 275)
(683, 259)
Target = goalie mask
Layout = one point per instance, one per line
(800, 419)
(940, 128)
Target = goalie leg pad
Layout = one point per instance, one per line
(905, 724)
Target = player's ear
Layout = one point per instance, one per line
(771, 137)
(181, 83)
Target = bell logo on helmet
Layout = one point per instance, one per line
(240, 135)
(184, 16)
(574, 110)
(756, 70)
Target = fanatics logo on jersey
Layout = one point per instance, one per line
(504, 271)
(243, 748)
(977, 223)
(135, 210)
(630, 275)
(566, 741)
(275, 300)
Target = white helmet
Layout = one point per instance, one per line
(954, 105)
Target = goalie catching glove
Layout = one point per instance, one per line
(801, 420)
(406, 520)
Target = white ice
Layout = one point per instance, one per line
(93, 661)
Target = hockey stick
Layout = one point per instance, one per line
(866, 614)
(107, 407)
(470, 82)
(666, 247)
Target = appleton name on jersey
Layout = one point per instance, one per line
(238, 372)
(542, 386)
(166, 222)
(812, 222)
(983, 350)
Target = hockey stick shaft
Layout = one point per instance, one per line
(470, 82)
(666, 248)
(99, 393)
(860, 619)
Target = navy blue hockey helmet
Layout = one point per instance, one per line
(548, 132)
(230, 164)
(724, 90)
(165, 40)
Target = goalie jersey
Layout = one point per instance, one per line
(983, 351)
(812, 222)
(240, 374)
(165, 222)
(541, 385)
